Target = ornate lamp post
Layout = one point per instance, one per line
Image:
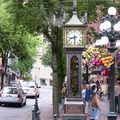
(110, 28)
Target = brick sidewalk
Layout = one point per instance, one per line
(105, 110)
(46, 107)
(46, 112)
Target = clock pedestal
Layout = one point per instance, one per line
(74, 109)
(74, 106)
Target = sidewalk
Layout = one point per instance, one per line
(47, 112)
(46, 106)
(105, 110)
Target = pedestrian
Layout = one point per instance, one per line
(104, 88)
(87, 99)
(95, 103)
(83, 93)
(117, 94)
(99, 89)
(63, 94)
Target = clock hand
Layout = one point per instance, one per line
(74, 38)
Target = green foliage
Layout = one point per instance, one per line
(25, 43)
(27, 77)
(6, 20)
(47, 57)
(6, 28)
(90, 6)
(15, 37)
(25, 48)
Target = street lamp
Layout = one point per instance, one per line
(110, 28)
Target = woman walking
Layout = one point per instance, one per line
(95, 103)
(63, 94)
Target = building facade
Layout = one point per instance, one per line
(40, 73)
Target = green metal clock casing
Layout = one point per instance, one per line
(74, 36)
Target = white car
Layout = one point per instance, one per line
(30, 89)
(12, 95)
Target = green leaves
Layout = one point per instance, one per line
(25, 48)
(16, 23)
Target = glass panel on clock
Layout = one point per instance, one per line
(74, 76)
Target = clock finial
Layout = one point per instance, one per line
(74, 6)
(74, 21)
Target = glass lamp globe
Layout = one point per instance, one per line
(101, 27)
(101, 43)
(118, 23)
(104, 40)
(105, 25)
(97, 42)
(118, 43)
(117, 26)
(112, 11)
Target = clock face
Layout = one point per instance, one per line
(74, 37)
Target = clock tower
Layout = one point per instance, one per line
(74, 44)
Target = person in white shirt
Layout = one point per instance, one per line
(83, 93)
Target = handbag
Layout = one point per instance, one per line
(93, 101)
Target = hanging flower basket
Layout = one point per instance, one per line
(98, 56)
(106, 72)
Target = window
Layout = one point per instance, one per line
(10, 91)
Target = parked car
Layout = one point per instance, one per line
(30, 88)
(12, 95)
(14, 84)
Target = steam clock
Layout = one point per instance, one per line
(74, 44)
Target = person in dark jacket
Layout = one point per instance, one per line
(87, 98)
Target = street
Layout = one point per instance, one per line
(45, 106)
(25, 113)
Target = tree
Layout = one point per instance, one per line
(5, 41)
(30, 16)
(16, 39)
(37, 16)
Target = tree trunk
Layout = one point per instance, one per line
(58, 67)
(55, 87)
(3, 73)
